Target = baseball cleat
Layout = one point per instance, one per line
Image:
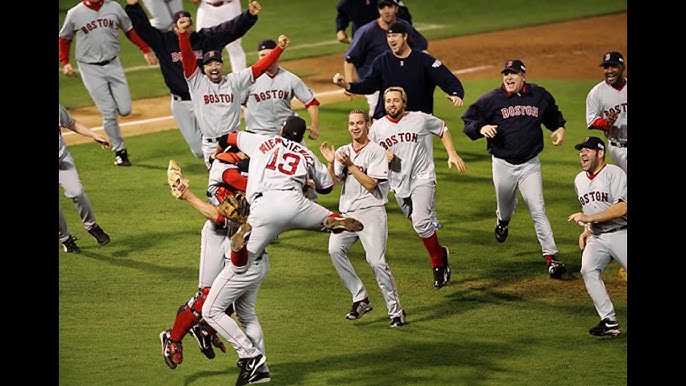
(248, 372)
(556, 268)
(501, 231)
(606, 327)
(172, 351)
(340, 224)
(100, 236)
(122, 158)
(398, 321)
(448, 271)
(359, 308)
(70, 246)
(204, 338)
(440, 277)
(240, 238)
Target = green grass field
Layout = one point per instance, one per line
(501, 321)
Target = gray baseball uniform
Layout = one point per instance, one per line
(97, 50)
(268, 102)
(608, 239)
(600, 100)
(213, 12)
(162, 12)
(369, 208)
(71, 183)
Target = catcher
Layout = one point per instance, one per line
(225, 209)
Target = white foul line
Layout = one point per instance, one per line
(321, 94)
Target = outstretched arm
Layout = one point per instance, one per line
(453, 158)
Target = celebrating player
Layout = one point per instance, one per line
(370, 41)
(216, 98)
(412, 173)
(417, 72)
(73, 188)
(162, 12)
(166, 46)
(606, 107)
(362, 167)
(96, 24)
(268, 101)
(601, 190)
(213, 12)
(279, 167)
(510, 119)
(360, 12)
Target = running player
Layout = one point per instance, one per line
(510, 118)
(279, 167)
(268, 101)
(606, 107)
(412, 173)
(166, 47)
(95, 24)
(602, 193)
(362, 167)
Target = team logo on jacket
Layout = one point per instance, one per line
(436, 63)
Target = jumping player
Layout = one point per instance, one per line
(162, 12)
(268, 101)
(73, 188)
(606, 107)
(417, 72)
(216, 98)
(95, 24)
(412, 173)
(362, 167)
(602, 193)
(213, 12)
(279, 167)
(370, 41)
(227, 176)
(166, 46)
(510, 118)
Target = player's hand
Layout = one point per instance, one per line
(342, 37)
(558, 136)
(151, 58)
(131, 2)
(183, 23)
(283, 41)
(611, 118)
(489, 131)
(104, 143)
(254, 7)
(314, 132)
(327, 152)
(458, 162)
(339, 80)
(68, 70)
(455, 100)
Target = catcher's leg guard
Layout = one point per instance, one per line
(189, 314)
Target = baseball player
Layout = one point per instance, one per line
(73, 189)
(216, 98)
(412, 173)
(358, 13)
(166, 46)
(417, 72)
(268, 101)
(362, 167)
(162, 12)
(96, 24)
(227, 176)
(602, 193)
(370, 41)
(606, 107)
(510, 118)
(213, 12)
(279, 167)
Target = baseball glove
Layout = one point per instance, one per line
(177, 181)
(235, 207)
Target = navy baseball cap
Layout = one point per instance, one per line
(593, 143)
(514, 65)
(179, 14)
(381, 3)
(294, 128)
(397, 27)
(212, 55)
(267, 44)
(612, 58)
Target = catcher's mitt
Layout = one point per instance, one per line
(235, 207)
(177, 181)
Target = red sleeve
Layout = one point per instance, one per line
(263, 64)
(234, 178)
(232, 139)
(187, 56)
(135, 39)
(314, 102)
(65, 47)
(600, 124)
